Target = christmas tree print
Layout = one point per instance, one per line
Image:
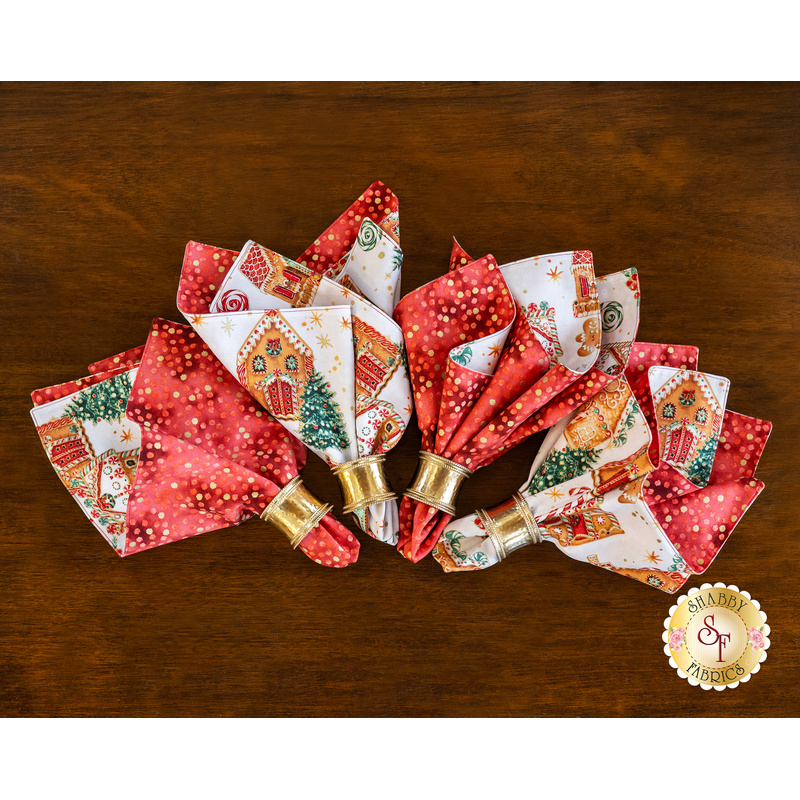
(321, 422)
(404, 359)
(103, 401)
(699, 470)
(562, 465)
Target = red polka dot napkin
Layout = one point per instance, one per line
(183, 461)
(210, 457)
(498, 353)
(312, 340)
(647, 479)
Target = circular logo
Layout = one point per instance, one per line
(716, 636)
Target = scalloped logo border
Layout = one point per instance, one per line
(670, 639)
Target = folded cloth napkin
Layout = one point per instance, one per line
(592, 487)
(313, 342)
(497, 354)
(229, 458)
(93, 448)
(194, 454)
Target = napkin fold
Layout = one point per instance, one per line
(193, 454)
(91, 445)
(629, 483)
(497, 354)
(312, 340)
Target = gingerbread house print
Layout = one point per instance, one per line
(377, 358)
(542, 320)
(129, 459)
(389, 431)
(613, 357)
(599, 419)
(579, 527)
(582, 269)
(380, 425)
(66, 445)
(101, 478)
(688, 414)
(391, 225)
(659, 579)
(280, 277)
(274, 364)
(628, 475)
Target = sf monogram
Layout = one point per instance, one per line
(708, 631)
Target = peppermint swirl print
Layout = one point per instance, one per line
(234, 300)
(368, 236)
(611, 315)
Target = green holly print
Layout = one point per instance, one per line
(103, 401)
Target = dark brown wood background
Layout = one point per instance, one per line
(100, 188)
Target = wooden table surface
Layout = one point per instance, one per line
(101, 186)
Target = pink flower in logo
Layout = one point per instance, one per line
(676, 638)
(234, 300)
(756, 638)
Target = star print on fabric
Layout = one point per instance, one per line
(652, 558)
(242, 472)
(382, 372)
(197, 320)
(495, 349)
(554, 275)
(127, 436)
(554, 493)
(228, 326)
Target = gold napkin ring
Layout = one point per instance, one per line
(363, 482)
(437, 482)
(510, 525)
(295, 511)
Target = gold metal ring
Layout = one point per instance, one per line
(510, 525)
(363, 482)
(295, 511)
(437, 482)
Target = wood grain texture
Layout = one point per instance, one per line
(100, 188)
